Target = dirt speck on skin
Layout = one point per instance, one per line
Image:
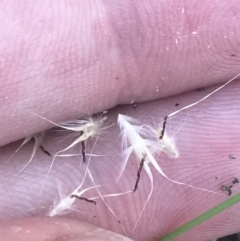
(235, 180)
(228, 188)
(134, 107)
(201, 89)
(233, 156)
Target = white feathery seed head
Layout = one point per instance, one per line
(168, 144)
(91, 126)
(145, 148)
(132, 141)
(65, 204)
(83, 128)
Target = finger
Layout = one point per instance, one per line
(54, 229)
(206, 135)
(90, 57)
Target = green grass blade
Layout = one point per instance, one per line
(202, 218)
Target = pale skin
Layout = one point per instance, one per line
(63, 60)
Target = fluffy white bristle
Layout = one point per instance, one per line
(65, 204)
(168, 144)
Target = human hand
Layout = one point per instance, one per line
(60, 60)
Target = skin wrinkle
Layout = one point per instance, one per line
(221, 66)
(172, 197)
(44, 48)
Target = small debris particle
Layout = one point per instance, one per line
(223, 187)
(227, 188)
(200, 89)
(235, 180)
(177, 104)
(132, 102)
(216, 177)
(233, 156)
(232, 55)
(134, 107)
